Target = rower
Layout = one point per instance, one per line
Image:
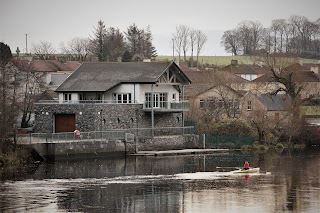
(246, 165)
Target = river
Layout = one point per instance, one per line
(287, 182)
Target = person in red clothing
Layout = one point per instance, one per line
(246, 165)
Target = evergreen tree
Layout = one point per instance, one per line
(115, 44)
(5, 54)
(126, 56)
(140, 42)
(149, 51)
(98, 42)
(134, 38)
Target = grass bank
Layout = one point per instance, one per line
(225, 60)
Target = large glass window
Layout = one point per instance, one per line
(159, 100)
(122, 98)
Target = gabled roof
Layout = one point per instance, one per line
(213, 76)
(305, 76)
(299, 67)
(100, 76)
(246, 69)
(58, 79)
(274, 102)
(46, 65)
(203, 81)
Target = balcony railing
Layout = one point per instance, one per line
(166, 106)
(79, 102)
(163, 106)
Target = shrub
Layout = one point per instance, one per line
(234, 127)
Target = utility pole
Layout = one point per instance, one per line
(26, 43)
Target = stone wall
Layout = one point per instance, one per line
(101, 117)
(80, 149)
(165, 143)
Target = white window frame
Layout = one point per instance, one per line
(122, 98)
(67, 97)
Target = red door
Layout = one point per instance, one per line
(65, 122)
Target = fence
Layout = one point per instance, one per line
(74, 137)
(164, 131)
(229, 142)
(116, 134)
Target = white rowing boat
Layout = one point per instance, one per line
(247, 171)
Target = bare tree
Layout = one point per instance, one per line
(44, 50)
(230, 41)
(192, 37)
(201, 39)
(285, 76)
(178, 40)
(275, 26)
(30, 84)
(78, 48)
(266, 39)
(297, 35)
(185, 30)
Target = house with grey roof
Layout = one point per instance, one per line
(273, 108)
(214, 94)
(246, 71)
(102, 96)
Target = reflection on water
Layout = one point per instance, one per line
(286, 183)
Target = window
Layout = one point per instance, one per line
(82, 97)
(67, 97)
(122, 98)
(174, 96)
(98, 96)
(148, 100)
(202, 103)
(159, 100)
(249, 106)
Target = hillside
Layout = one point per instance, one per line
(225, 60)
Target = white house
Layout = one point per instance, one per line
(116, 95)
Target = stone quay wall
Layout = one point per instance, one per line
(160, 143)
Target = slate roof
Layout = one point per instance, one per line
(299, 67)
(46, 65)
(246, 69)
(58, 79)
(207, 77)
(302, 76)
(203, 81)
(273, 102)
(100, 76)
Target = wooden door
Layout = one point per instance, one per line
(65, 122)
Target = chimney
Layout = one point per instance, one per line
(234, 62)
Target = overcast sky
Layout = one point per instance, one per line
(61, 20)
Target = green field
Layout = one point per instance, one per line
(225, 60)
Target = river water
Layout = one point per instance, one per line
(287, 182)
